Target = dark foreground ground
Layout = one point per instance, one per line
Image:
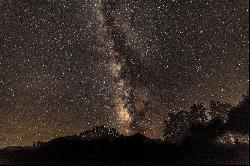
(135, 149)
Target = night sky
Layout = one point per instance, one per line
(69, 65)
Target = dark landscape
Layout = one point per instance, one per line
(124, 82)
(104, 146)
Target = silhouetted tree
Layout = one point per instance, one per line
(239, 117)
(220, 110)
(207, 132)
(198, 114)
(177, 128)
(196, 123)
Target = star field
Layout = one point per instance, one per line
(67, 66)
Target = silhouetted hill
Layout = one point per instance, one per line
(105, 146)
(136, 149)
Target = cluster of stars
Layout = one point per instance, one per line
(67, 66)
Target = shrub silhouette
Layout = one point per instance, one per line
(100, 132)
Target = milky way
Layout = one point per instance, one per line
(69, 65)
(130, 98)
